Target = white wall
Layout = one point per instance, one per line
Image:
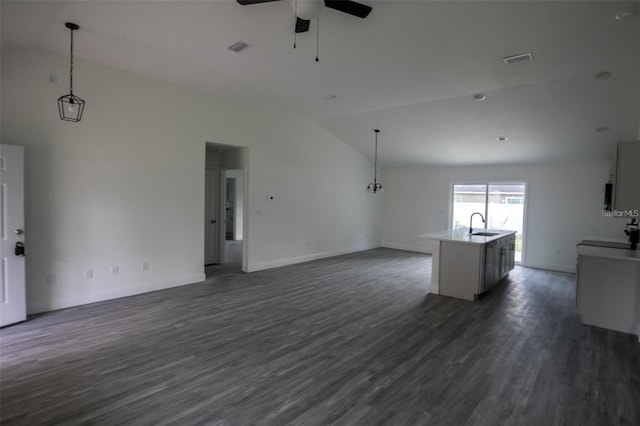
(564, 206)
(126, 184)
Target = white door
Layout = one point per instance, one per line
(211, 226)
(13, 307)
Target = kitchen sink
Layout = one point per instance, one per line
(486, 234)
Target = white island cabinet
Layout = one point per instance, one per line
(608, 293)
(465, 265)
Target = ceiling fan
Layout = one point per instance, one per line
(306, 10)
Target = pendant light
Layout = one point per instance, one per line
(70, 106)
(375, 186)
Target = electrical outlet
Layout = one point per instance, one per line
(53, 78)
(88, 273)
(557, 252)
(51, 279)
(115, 270)
(145, 266)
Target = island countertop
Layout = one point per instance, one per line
(461, 235)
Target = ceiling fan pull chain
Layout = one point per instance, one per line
(317, 37)
(295, 20)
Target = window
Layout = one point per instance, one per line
(501, 204)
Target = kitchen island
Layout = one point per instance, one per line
(465, 264)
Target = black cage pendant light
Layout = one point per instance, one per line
(70, 106)
(375, 186)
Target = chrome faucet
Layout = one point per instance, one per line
(471, 221)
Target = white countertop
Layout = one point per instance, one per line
(461, 235)
(609, 253)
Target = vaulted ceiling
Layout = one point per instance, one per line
(410, 68)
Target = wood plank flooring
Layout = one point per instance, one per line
(350, 340)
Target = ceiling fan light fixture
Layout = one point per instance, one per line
(308, 9)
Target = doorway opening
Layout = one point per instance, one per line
(225, 203)
(503, 205)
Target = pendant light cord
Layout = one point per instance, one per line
(375, 162)
(71, 66)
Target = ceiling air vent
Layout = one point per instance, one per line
(238, 47)
(518, 58)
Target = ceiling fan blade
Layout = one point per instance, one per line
(302, 25)
(248, 2)
(351, 7)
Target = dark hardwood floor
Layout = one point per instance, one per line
(350, 340)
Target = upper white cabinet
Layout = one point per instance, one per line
(627, 178)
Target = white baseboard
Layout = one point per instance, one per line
(551, 267)
(406, 247)
(306, 258)
(114, 293)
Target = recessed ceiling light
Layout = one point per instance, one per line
(238, 46)
(602, 75)
(329, 97)
(528, 56)
(603, 129)
(502, 138)
(625, 14)
(479, 97)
